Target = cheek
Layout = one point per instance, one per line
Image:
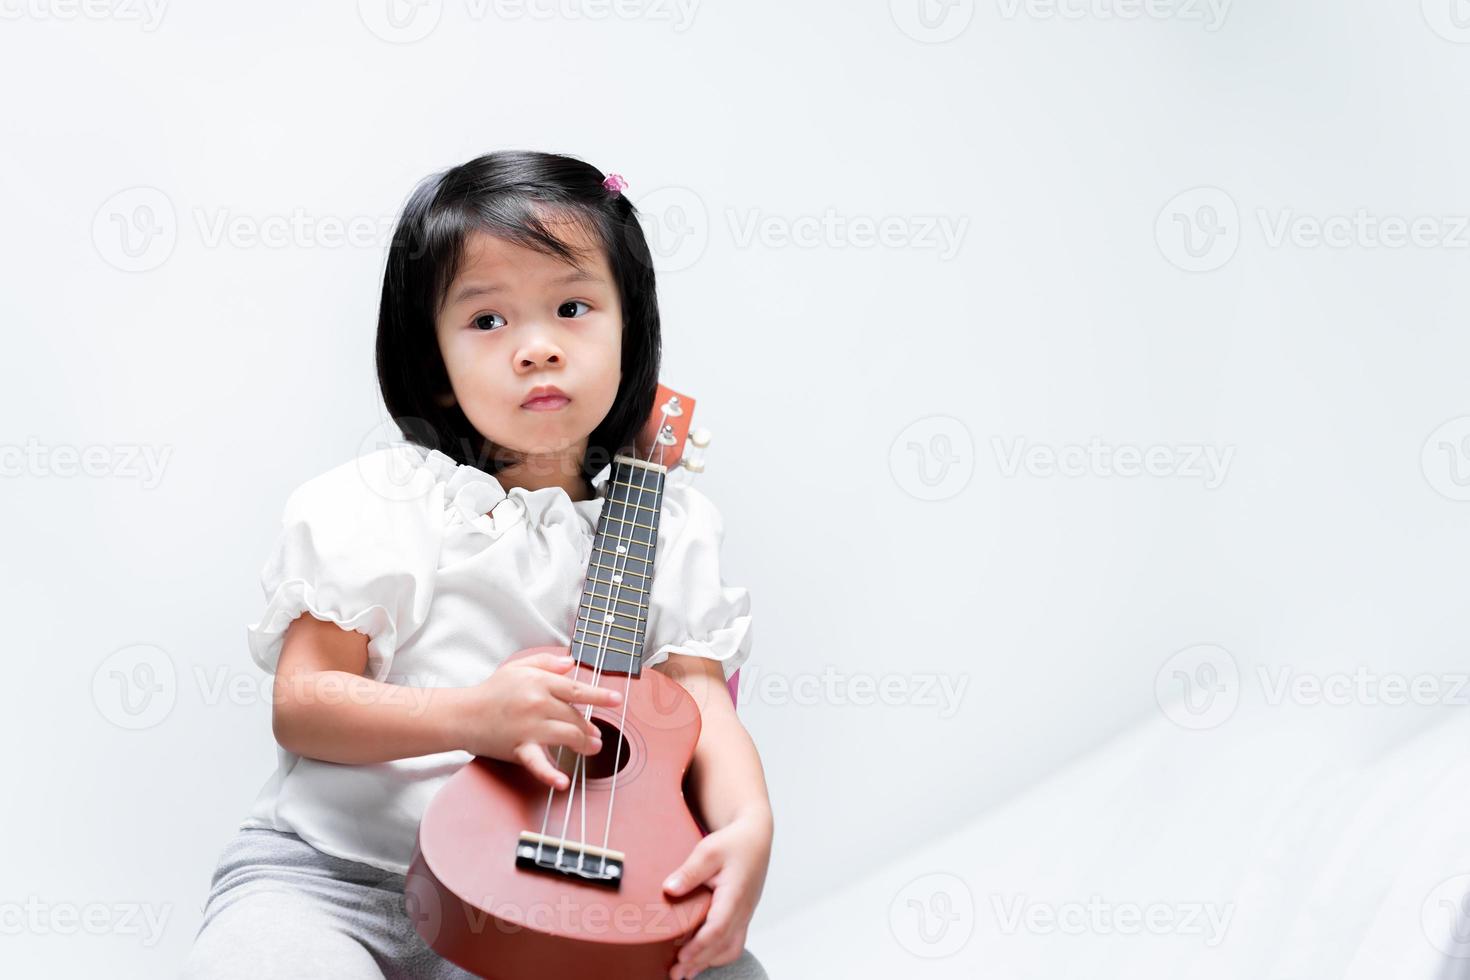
(469, 366)
(465, 354)
(612, 374)
(452, 350)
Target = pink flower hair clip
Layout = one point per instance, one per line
(614, 183)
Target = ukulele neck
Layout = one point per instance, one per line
(612, 615)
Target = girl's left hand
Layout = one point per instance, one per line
(732, 861)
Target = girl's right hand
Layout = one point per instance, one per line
(529, 703)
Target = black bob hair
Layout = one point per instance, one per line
(509, 194)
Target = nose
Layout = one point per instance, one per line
(539, 350)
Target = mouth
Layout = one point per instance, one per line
(545, 398)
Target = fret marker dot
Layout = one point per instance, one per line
(608, 618)
(617, 580)
(622, 549)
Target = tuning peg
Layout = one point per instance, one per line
(701, 437)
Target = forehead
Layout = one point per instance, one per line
(485, 254)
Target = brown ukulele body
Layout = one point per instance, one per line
(479, 908)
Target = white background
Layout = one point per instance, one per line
(1131, 264)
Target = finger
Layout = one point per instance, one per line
(685, 970)
(563, 712)
(561, 733)
(733, 949)
(534, 758)
(701, 863)
(713, 933)
(559, 662)
(578, 692)
(690, 966)
(723, 956)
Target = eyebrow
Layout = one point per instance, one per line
(472, 289)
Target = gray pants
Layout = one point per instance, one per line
(279, 909)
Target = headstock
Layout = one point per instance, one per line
(667, 430)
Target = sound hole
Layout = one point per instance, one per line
(601, 765)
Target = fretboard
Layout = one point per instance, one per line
(612, 615)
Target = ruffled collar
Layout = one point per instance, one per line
(477, 496)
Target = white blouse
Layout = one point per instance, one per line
(447, 574)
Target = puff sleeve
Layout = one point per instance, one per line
(691, 609)
(358, 546)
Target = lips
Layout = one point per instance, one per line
(545, 397)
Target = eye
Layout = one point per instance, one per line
(573, 304)
(479, 321)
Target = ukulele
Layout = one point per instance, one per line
(514, 880)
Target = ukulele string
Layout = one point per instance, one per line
(581, 763)
(637, 645)
(578, 767)
(624, 552)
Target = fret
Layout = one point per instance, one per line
(627, 555)
(656, 487)
(625, 571)
(611, 646)
(593, 633)
(639, 608)
(620, 520)
(597, 617)
(631, 590)
(602, 548)
(616, 644)
(611, 539)
(638, 611)
(629, 503)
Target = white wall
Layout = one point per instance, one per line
(841, 378)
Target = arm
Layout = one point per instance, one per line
(726, 774)
(730, 790)
(323, 707)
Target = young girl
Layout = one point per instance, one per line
(424, 565)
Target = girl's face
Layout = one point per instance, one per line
(516, 319)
